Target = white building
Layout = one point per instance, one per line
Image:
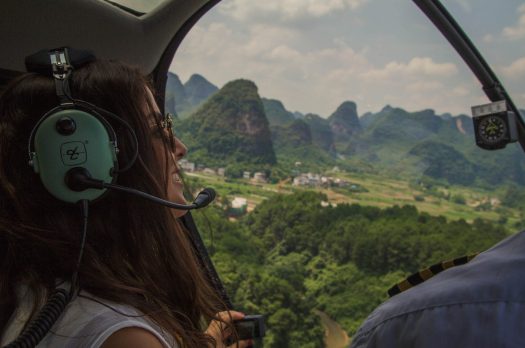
(313, 179)
(239, 202)
(186, 165)
(239, 206)
(300, 180)
(259, 177)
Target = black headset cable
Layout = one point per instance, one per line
(57, 302)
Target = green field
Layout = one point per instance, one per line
(318, 272)
(382, 192)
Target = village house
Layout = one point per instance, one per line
(259, 177)
(239, 206)
(187, 166)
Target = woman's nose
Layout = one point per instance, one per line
(180, 149)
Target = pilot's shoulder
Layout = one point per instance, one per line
(453, 303)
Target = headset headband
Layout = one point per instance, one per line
(59, 63)
(72, 135)
(39, 62)
(61, 73)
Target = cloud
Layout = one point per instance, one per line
(465, 4)
(518, 31)
(424, 86)
(460, 91)
(516, 69)
(286, 10)
(313, 79)
(418, 66)
(261, 40)
(489, 38)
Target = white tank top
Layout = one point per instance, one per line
(85, 323)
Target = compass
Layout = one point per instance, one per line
(492, 129)
(494, 125)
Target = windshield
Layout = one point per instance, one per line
(339, 138)
(498, 31)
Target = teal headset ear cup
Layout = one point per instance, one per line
(90, 145)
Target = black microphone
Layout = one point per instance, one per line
(79, 179)
(205, 197)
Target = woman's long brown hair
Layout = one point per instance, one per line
(136, 252)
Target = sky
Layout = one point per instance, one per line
(315, 54)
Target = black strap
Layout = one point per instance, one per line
(62, 68)
(205, 259)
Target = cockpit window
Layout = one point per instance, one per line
(342, 148)
(136, 7)
(498, 31)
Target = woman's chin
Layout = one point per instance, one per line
(178, 212)
(178, 198)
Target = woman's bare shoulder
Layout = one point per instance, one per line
(132, 337)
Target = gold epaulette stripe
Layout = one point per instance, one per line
(427, 273)
(404, 285)
(448, 264)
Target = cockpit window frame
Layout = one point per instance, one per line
(128, 9)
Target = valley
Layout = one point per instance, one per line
(317, 216)
(452, 202)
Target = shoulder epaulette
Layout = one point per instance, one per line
(427, 273)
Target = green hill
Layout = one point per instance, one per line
(236, 126)
(444, 162)
(322, 134)
(175, 101)
(231, 127)
(344, 122)
(293, 135)
(439, 146)
(198, 89)
(181, 99)
(276, 113)
(297, 142)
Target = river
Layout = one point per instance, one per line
(335, 336)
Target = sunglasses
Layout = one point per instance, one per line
(167, 122)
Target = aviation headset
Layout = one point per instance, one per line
(74, 148)
(72, 137)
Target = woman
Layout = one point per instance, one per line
(140, 282)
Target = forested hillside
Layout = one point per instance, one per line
(230, 128)
(291, 256)
(183, 99)
(236, 128)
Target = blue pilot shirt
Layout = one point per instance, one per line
(479, 304)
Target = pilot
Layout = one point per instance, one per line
(139, 282)
(477, 304)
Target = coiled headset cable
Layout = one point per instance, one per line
(57, 302)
